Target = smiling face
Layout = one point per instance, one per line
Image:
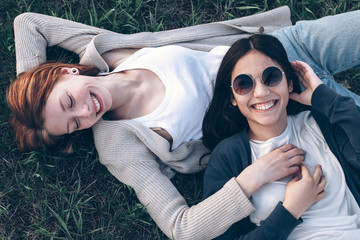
(76, 102)
(264, 107)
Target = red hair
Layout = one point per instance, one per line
(27, 97)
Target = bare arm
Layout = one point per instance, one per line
(116, 56)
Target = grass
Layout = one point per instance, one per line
(47, 195)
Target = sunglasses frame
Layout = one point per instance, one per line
(253, 79)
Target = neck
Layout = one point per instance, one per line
(265, 132)
(123, 88)
(134, 93)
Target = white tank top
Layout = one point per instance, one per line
(188, 77)
(336, 216)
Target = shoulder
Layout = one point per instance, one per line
(231, 155)
(234, 144)
(227, 160)
(301, 117)
(306, 126)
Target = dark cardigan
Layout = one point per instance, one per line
(339, 120)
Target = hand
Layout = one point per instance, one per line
(274, 165)
(300, 194)
(308, 79)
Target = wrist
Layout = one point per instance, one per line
(248, 184)
(295, 211)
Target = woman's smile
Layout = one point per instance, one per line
(75, 103)
(97, 102)
(264, 106)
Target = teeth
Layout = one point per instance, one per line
(264, 106)
(96, 102)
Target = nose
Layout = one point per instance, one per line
(84, 111)
(260, 89)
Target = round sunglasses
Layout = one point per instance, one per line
(271, 77)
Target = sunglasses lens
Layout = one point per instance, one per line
(243, 84)
(272, 76)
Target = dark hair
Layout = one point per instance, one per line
(222, 119)
(26, 98)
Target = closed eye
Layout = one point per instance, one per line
(71, 101)
(76, 123)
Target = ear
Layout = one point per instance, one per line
(291, 86)
(233, 101)
(65, 70)
(72, 71)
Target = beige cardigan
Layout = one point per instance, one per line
(133, 153)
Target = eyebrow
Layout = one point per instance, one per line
(63, 108)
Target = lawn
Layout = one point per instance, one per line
(46, 195)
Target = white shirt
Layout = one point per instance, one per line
(337, 216)
(188, 77)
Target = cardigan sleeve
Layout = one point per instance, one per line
(41, 31)
(34, 32)
(344, 116)
(130, 161)
(227, 160)
(278, 225)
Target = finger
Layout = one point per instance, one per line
(287, 147)
(296, 65)
(295, 152)
(299, 72)
(300, 67)
(302, 78)
(317, 174)
(309, 72)
(294, 169)
(322, 184)
(302, 64)
(306, 67)
(320, 196)
(302, 72)
(296, 160)
(304, 171)
(295, 97)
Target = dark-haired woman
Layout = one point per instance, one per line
(255, 98)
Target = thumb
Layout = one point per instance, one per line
(295, 97)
